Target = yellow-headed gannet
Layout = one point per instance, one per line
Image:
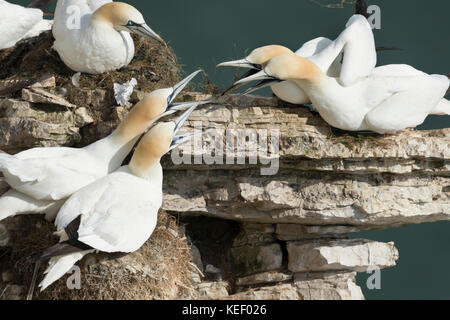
(350, 58)
(18, 23)
(99, 40)
(42, 178)
(117, 213)
(391, 98)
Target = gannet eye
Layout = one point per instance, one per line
(130, 23)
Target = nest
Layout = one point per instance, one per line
(159, 270)
(154, 66)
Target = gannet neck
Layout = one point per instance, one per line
(138, 120)
(118, 144)
(146, 159)
(293, 67)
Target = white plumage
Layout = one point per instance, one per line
(391, 98)
(350, 58)
(99, 40)
(119, 212)
(40, 178)
(64, 12)
(111, 207)
(18, 23)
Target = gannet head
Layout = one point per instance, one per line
(256, 61)
(258, 58)
(160, 103)
(125, 17)
(158, 141)
(287, 66)
(154, 106)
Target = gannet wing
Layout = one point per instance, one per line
(313, 47)
(50, 173)
(397, 70)
(65, 11)
(110, 208)
(413, 95)
(15, 22)
(360, 55)
(355, 47)
(95, 4)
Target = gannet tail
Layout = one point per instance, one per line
(448, 91)
(59, 266)
(15, 203)
(442, 109)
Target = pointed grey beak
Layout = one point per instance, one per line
(178, 140)
(145, 31)
(236, 86)
(261, 84)
(180, 86)
(244, 63)
(264, 79)
(182, 106)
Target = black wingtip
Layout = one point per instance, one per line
(59, 250)
(64, 248)
(41, 4)
(382, 48)
(361, 8)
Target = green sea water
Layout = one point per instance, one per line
(206, 32)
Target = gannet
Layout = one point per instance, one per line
(42, 178)
(117, 213)
(391, 98)
(350, 58)
(19, 23)
(100, 41)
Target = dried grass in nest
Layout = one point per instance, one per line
(355, 140)
(159, 270)
(154, 65)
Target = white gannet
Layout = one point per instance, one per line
(390, 99)
(100, 40)
(42, 178)
(117, 213)
(18, 23)
(350, 58)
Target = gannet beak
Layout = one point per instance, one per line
(244, 63)
(145, 31)
(180, 86)
(264, 79)
(178, 140)
(182, 106)
(251, 72)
